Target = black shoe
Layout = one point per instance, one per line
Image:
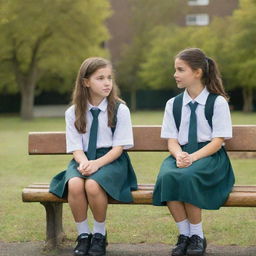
(181, 246)
(196, 246)
(98, 245)
(83, 244)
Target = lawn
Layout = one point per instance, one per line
(129, 224)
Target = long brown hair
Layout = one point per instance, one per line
(211, 77)
(81, 94)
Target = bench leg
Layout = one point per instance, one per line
(54, 229)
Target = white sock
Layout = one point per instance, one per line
(99, 227)
(83, 227)
(196, 229)
(183, 227)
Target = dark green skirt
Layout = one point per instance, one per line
(117, 178)
(206, 183)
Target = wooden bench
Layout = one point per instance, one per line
(146, 138)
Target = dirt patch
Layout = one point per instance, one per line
(36, 249)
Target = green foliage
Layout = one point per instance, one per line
(242, 51)
(146, 15)
(158, 69)
(53, 36)
(230, 41)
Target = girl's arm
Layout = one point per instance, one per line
(81, 159)
(112, 155)
(93, 165)
(207, 150)
(182, 159)
(174, 147)
(80, 156)
(222, 129)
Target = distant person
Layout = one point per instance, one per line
(98, 129)
(198, 174)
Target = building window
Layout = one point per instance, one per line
(198, 2)
(197, 20)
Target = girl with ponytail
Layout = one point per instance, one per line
(198, 174)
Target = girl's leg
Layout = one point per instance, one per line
(195, 219)
(77, 199)
(194, 213)
(98, 201)
(197, 243)
(177, 209)
(78, 203)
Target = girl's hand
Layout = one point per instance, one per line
(183, 164)
(183, 160)
(180, 160)
(82, 166)
(91, 168)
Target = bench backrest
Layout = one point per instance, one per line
(146, 138)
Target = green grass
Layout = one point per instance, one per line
(128, 224)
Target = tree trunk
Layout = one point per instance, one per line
(27, 101)
(27, 80)
(248, 99)
(133, 100)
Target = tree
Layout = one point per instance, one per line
(242, 51)
(146, 15)
(230, 41)
(158, 68)
(42, 37)
(232, 44)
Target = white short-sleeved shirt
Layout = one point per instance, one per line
(122, 136)
(221, 120)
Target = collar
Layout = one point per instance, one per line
(200, 99)
(102, 106)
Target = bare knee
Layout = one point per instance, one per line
(76, 186)
(92, 188)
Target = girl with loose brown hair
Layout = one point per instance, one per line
(81, 93)
(198, 174)
(98, 129)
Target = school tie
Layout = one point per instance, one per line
(192, 132)
(91, 153)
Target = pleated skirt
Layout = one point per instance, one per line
(206, 183)
(118, 178)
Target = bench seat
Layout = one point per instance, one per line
(241, 196)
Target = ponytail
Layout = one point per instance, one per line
(213, 79)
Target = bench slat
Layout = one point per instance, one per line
(146, 138)
(236, 188)
(46, 186)
(244, 196)
(43, 195)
